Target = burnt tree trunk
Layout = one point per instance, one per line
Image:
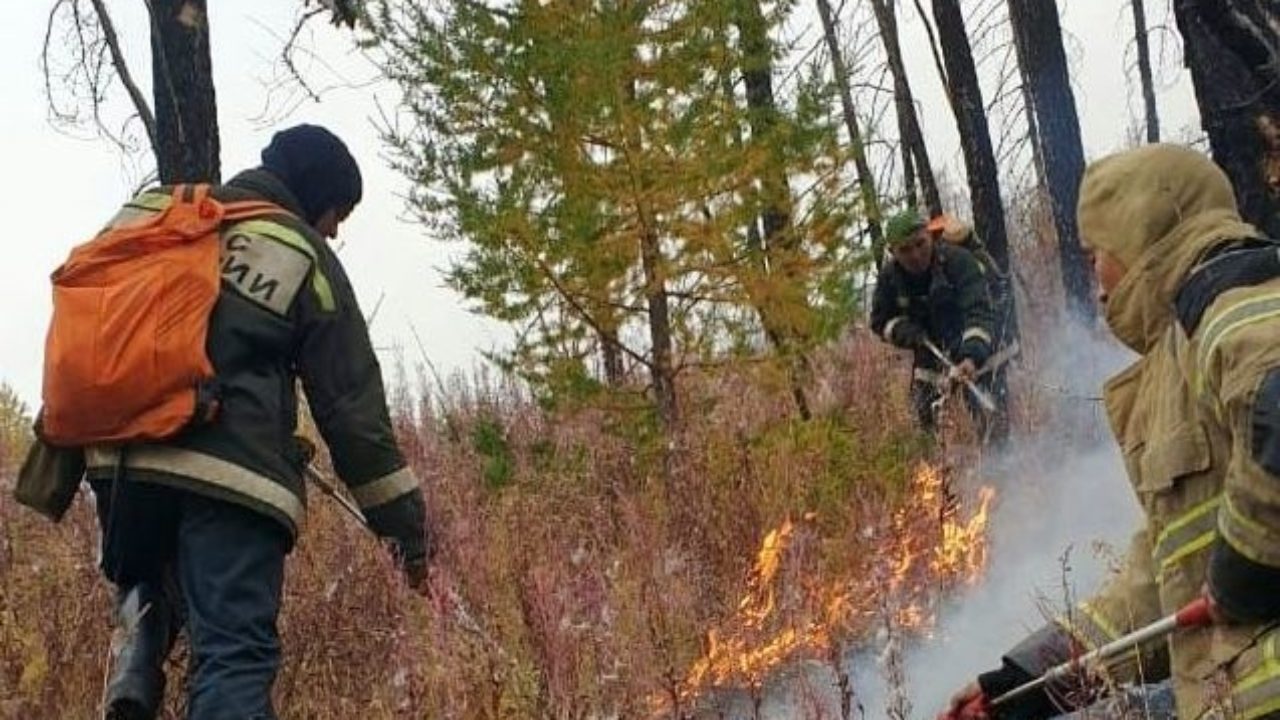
(866, 181)
(1232, 48)
(1144, 71)
(1043, 61)
(185, 108)
(786, 318)
(904, 103)
(975, 135)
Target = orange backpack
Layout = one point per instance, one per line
(125, 354)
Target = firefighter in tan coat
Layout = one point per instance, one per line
(1196, 291)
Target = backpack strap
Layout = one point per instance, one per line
(249, 209)
(1238, 264)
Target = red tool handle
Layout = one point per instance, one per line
(978, 707)
(1195, 614)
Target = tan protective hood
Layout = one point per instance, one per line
(1156, 209)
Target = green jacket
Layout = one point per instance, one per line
(949, 305)
(286, 313)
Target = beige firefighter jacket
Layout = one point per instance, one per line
(1182, 416)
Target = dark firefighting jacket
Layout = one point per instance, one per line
(286, 313)
(950, 305)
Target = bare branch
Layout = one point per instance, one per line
(122, 69)
(286, 53)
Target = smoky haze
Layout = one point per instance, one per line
(1061, 520)
(1063, 516)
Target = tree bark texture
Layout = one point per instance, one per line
(1043, 61)
(904, 103)
(1232, 48)
(975, 135)
(187, 146)
(1150, 115)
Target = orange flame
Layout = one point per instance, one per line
(922, 550)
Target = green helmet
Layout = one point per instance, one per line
(902, 226)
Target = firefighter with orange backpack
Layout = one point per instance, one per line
(178, 337)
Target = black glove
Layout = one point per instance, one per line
(907, 334)
(403, 523)
(975, 349)
(1031, 706)
(1029, 659)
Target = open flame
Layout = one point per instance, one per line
(924, 548)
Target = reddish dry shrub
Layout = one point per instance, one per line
(590, 556)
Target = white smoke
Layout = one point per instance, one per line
(1045, 535)
(1064, 513)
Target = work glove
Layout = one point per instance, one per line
(403, 524)
(975, 350)
(907, 334)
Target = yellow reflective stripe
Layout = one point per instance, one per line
(1095, 632)
(1194, 530)
(205, 468)
(151, 201)
(1245, 312)
(976, 332)
(888, 327)
(1199, 543)
(1245, 534)
(385, 489)
(1258, 693)
(282, 234)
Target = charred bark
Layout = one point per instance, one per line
(1043, 63)
(1232, 48)
(1144, 71)
(187, 144)
(975, 134)
(904, 103)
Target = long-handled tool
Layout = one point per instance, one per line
(461, 611)
(1193, 614)
(982, 396)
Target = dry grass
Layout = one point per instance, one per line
(592, 558)
(592, 554)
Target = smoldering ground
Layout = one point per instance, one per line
(1061, 522)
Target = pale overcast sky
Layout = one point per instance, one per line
(56, 190)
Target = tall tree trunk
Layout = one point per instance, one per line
(909, 190)
(659, 312)
(786, 316)
(1038, 35)
(611, 354)
(866, 181)
(1029, 112)
(904, 103)
(975, 135)
(182, 77)
(1233, 50)
(658, 309)
(1144, 70)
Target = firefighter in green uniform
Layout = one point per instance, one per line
(1196, 292)
(932, 292)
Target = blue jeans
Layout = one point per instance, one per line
(224, 564)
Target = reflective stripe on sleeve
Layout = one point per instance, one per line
(385, 489)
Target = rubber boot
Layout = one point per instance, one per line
(138, 650)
